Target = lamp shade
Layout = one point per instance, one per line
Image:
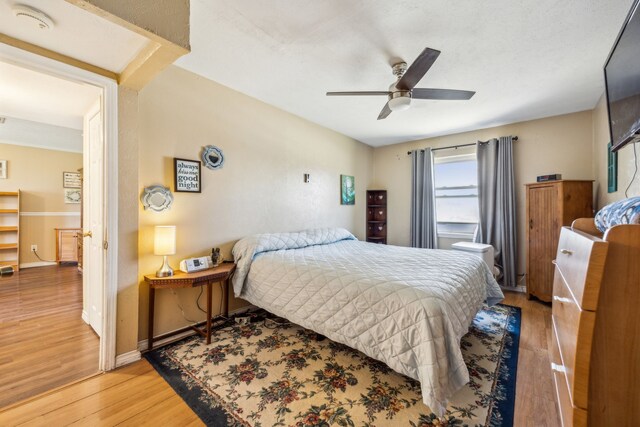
(164, 242)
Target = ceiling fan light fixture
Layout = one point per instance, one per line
(400, 103)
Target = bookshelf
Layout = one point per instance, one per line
(10, 229)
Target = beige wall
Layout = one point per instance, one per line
(559, 144)
(38, 174)
(128, 190)
(168, 19)
(259, 189)
(625, 160)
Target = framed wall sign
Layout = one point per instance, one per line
(72, 195)
(71, 180)
(186, 176)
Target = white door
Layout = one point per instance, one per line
(93, 217)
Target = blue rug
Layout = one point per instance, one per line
(254, 375)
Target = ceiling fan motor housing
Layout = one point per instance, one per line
(399, 69)
(399, 100)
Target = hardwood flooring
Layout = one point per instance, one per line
(44, 343)
(132, 395)
(137, 395)
(535, 391)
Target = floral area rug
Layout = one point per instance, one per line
(256, 375)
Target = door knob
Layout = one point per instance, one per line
(87, 234)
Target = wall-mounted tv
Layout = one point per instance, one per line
(622, 77)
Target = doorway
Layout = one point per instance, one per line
(96, 287)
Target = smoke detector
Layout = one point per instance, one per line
(2, 120)
(33, 16)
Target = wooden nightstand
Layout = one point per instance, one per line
(220, 274)
(67, 244)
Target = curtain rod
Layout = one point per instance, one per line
(515, 138)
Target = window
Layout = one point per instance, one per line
(456, 182)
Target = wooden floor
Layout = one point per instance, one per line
(137, 395)
(535, 391)
(43, 341)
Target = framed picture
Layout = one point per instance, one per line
(72, 195)
(71, 180)
(347, 190)
(3, 169)
(186, 176)
(612, 170)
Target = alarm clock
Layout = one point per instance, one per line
(192, 265)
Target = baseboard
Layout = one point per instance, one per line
(37, 264)
(521, 288)
(144, 344)
(85, 316)
(127, 358)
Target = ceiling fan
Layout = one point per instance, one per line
(403, 90)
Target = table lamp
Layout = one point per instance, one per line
(164, 244)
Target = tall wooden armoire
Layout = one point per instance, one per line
(551, 205)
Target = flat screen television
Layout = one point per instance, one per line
(622, 79)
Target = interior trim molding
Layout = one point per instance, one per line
(49, 213)
(127, 358)
(37, 264)
(24, 57)
(38, 50)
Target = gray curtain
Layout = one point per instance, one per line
(423, 200)
(497, 200)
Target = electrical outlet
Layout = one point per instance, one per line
(34, 248)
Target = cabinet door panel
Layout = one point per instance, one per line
(543, 238)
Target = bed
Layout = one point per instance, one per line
(406, 307)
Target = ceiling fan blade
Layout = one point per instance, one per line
(385, 112)
(365, 93)
(418, 69)
(446, 94)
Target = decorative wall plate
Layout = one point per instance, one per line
(212, 157)
(157, 198)
(72, 195)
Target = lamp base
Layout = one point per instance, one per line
(165, 270)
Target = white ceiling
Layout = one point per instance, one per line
(38, 97)
(525, 59)
(76, 33)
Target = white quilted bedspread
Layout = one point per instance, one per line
(406, 307)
